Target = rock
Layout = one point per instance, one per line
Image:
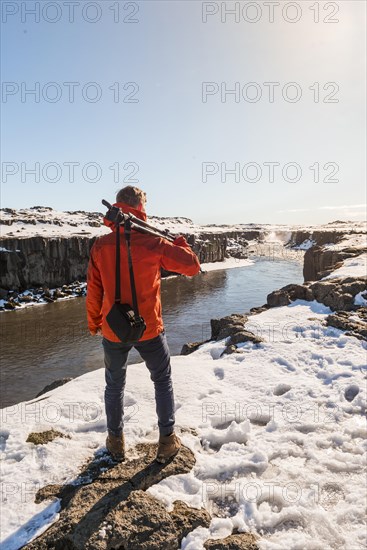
(191, 347)
(278, 298)
(232, 327)
(54, 385)
(322, 289)
(244, 336)
(141, 522)
(186, 519)
(54, 261)
(355, 323)
(298, 292)
(26, 298)
(240, 541)
(256, 310)
(58, 294)
(41, 438)
(39, 261)
(330, 293)
(354, 286)
(108, 506)
(338, 294)
(320, 261)
(229, 350)
(224, 327)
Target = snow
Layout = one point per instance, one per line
(308, 243)
(39, 300)
(359, 299)
(278, 432)
(276, 436)
(356, 240)
(228, 263)
(352, 267)
(45, 221)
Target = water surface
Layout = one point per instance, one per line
(42, 343)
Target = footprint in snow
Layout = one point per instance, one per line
(210, 392)
(284, 363)
(4, 434)
(351, 392)
(306, 428)
(219, 373)
(281, 389)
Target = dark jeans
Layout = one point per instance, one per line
(156, 355)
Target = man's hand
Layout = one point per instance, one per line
(96, 332)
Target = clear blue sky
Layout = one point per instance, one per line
(170, 132)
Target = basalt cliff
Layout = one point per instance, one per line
(40, 247)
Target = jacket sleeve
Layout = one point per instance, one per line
(179, 258)
(94, 293)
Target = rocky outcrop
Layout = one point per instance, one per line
(287, 294)
(190, 348)
(354, 323)
(209, 247)
(319, 237)
(337, 294)
(61, 256)
(42, 438)
(239, 541)
(320, 262)
(231, 329)
(56, 261)
(12, 299)
(39, 261)
(108, 507)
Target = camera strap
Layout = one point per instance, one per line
(127, 233)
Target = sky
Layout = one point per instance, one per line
(223, 112)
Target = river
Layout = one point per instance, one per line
(42, 343)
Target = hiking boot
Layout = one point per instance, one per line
(116, 446)
(168, 446)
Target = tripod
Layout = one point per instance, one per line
(116, 215)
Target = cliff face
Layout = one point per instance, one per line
(52, 262)
(38, 261)
(320, 262)
(43, 247)
(320, 237)
(209, 247)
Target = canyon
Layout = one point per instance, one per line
(40, 246)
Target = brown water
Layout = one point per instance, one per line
(42, 343)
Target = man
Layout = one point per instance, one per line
(149, 255)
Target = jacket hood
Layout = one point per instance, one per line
(127, 209)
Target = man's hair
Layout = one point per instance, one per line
(132, 196)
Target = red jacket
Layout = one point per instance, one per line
(148, 254)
